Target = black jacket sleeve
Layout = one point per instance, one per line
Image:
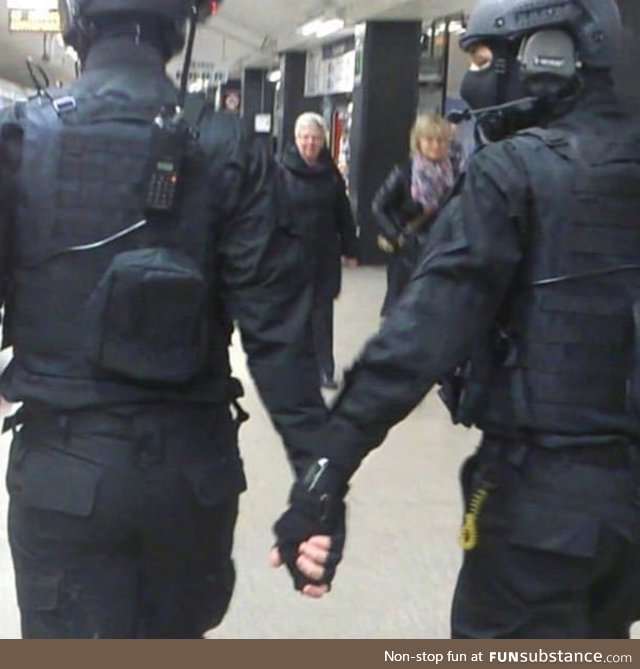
(10, 156)
(344, 218)
(461, 280)
(382, 205)
(266, 289)
(392, 206)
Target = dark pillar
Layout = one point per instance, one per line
(384, 110)
(292, 101)
(257, 98)
(629, 61)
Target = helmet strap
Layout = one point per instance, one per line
(501, 68)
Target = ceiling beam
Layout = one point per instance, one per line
(352, 13)
(368, 9)
(233, 31)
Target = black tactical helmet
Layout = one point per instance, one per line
(77, 16)
(595, 25)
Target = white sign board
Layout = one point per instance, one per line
(329, 75)
(262, 123)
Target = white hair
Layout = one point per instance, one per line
(307, 119)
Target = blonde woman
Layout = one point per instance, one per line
(406, 203)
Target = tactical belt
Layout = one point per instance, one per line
(117, 418)
(107, 422)
(607, 456)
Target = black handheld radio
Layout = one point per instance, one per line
(170, 138)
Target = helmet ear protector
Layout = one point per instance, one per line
(548, 61)
(595, 25)
(548, 52)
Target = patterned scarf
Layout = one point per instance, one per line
(430, 181)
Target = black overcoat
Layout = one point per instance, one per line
(316, 197)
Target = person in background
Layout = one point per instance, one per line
(406, 204)
(319, 207)
(232, 102)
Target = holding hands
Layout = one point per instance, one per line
(310, 563)
(310, 534)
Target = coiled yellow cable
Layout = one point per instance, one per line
(469, 530)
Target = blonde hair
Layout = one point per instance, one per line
(307, 119)
(429, 125)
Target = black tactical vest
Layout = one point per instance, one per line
(109, 303)
(566, 363)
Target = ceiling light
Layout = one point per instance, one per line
(310, 27)
(329, 27)
(321, 27)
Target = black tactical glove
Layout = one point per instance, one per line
(316, 506)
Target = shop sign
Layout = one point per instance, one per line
(329, 74)
(34, 21)
(202, 70)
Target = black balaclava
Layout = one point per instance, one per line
(499, 89)
(497, 83)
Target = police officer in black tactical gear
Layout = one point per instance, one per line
(526, 305)
(132, 239)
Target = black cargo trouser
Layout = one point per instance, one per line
(122, 526)
(558, 543)
(322, 329)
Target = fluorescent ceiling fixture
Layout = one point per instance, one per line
(455, 27)
(274, 76)
(329, 27)
(310, 27)
(321, 27)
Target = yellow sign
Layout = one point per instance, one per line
(34, 21)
